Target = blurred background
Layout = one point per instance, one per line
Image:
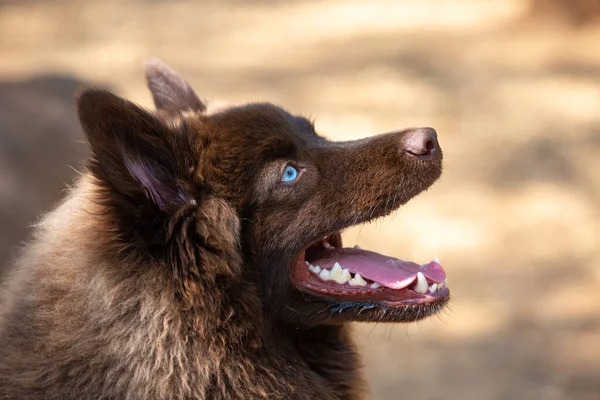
(512, 87)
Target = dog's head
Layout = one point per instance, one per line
(254, 194)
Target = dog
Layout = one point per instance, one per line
(199, 256)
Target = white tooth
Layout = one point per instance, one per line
(421, 286)
(433, 288)
(436, 260)
(337, 268)
(358, 281)
(315, 268)
(336, 272)
(375, 285)
(306, 262)
(345, 277)
(324, 274)
(357, 247)
(327, 245)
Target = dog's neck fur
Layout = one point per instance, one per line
(120, 319)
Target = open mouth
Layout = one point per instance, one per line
(326, 269)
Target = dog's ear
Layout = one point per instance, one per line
(171, 93)
(135, 154)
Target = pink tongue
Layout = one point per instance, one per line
(388, 271)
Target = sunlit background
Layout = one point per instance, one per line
(512, 87)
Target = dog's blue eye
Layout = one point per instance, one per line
(289, 174)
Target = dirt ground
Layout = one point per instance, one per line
(515, 99)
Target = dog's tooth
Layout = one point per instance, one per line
(357, 247)
(433, 288)
(327, 245)
(336, 273)
(375, 285)
(315, 268)
(421, 286)
(358, 280)
(345, 276)
(324, 274)
(306, 262)
(337, 269)
(436, 260)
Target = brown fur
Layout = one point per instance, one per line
(164, 274)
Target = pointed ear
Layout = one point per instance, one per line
(135, 154)
(171, 93)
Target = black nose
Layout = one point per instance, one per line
(420, 142)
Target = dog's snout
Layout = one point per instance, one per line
(420, 142)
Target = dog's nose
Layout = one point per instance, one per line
(420, 142)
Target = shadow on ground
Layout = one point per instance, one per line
(41, 146)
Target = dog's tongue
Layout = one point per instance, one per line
(388, 271)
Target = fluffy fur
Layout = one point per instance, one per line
(165, 273)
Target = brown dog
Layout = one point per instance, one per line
(200, 257)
